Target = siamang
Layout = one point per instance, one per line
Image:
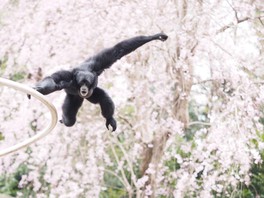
(81, 82)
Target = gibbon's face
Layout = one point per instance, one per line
(86, 82)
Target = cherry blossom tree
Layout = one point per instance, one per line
(210, 66)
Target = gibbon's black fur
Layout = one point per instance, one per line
(81, 82)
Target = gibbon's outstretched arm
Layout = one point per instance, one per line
(107, 57)
(100, 97)
(57, 81)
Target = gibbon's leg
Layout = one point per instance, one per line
(70, 107)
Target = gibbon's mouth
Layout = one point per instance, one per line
(84, 92)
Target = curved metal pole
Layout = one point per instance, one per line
(41, 98)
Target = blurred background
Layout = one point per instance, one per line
(189, 110)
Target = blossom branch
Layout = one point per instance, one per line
(133, 176)
(117, 176)
(260, 20)
(232, 24)
(199, 123)
(126, 183)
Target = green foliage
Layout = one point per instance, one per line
(14, 2)
(256, 188)
(113, 179)
(197, 113)
(114, 187)
(3, 65)
(1, 136)
(18, 76)
(128, 110)
(9, 183)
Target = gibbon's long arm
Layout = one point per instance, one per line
(57, 81)
(107, 57)
(107, 106)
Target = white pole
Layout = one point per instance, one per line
(41, 98)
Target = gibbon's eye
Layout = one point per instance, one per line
(84, 82)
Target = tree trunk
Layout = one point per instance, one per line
(180, 70)
(153, 155)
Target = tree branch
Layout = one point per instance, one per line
(232, 24)
(260, 20)
(199, 123)
(125, 181)
(203, 81)
(130, 165)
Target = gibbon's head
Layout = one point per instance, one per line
(87, 82)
